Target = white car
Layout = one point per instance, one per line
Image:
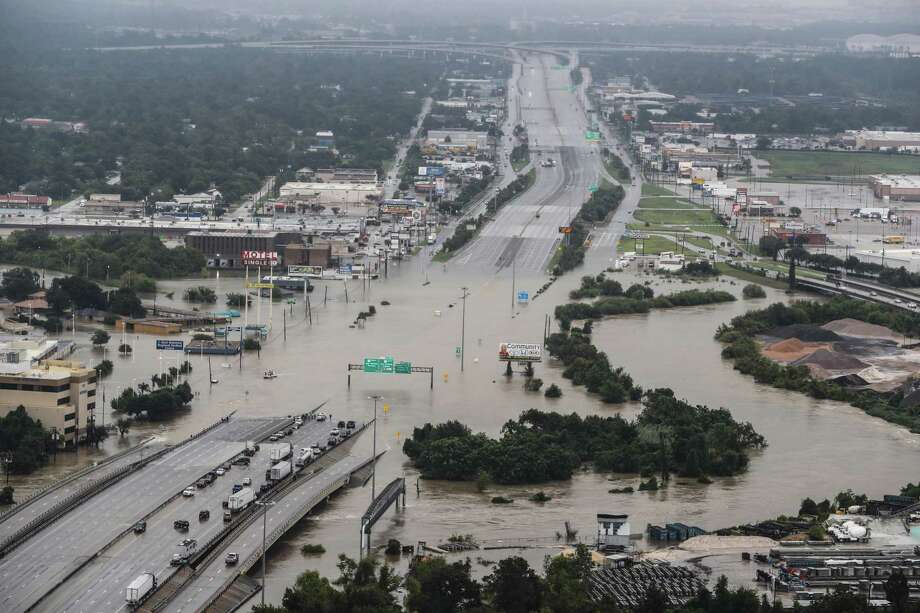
(188, 492)
(247, 480)
(320, 417)
(220, 472)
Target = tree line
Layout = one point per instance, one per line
(101, 256)
(596, 209)
(668, 436)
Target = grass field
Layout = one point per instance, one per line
(750, 277)
(714, 229)
(663, 202)
(652, 245)
(792, 164)
(686, 217)
(650, 189)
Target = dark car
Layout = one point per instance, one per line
(140, 527)
(350, 424)
(181, 525)
(204, 515)
(341, 425)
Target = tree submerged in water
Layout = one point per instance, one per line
(668, 436)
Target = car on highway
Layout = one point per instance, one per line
(204, 515)
(897, 301)
(232, 558)
(350, 424)
(220, 472)
(178, 560)
(247, 480)
(320, 417)
(188, 492)
(872, 293)
(140, 527)
(181, 525)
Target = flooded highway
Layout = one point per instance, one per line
(816, 448)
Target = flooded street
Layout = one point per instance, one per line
(812, 444)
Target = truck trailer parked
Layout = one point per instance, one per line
(280, 470)
(280, 452)
(240, 500)
(139, 589)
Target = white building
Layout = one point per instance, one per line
(348, 196)
(892, 258)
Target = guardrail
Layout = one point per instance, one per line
(70, 478)
(92, 489)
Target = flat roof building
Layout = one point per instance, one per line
(225, 249)
(896, 187)
(346, 175)
(683, 127)
(880, 139)
(61, 394)
(468, 141)
(343, 195)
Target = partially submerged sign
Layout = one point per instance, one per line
(520, 352)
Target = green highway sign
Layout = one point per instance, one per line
(592, 136)
(592, 188)
(386, 364)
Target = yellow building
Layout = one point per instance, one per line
(60, 393)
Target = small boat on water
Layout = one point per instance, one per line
(226, 365)
(269, 374)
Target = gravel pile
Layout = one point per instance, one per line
(804, 332)
(854, 327)
(832, 361)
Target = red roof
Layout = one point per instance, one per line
(24, 199)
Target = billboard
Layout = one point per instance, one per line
(296, 270)
(170, 345)
(259, 258)
(440, 186)
(520, 352)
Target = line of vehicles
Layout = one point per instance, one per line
(283, 460)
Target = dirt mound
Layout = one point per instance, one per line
(854, 327)
(804, 332)
(791, 349)
(832, 361)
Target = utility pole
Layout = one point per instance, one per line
(264, 506)
(463, 329)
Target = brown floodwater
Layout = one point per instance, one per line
(816, 448)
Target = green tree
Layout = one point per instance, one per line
(795, 211)
(771, 245)
(435, 585)
(18, 283)
(514, 587)
(75, 292)
(100, 338)
(897, 591)
(125, 301)
(25, 440)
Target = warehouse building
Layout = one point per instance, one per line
(345, 175)
(456, 141)
(683, 127)
(896, 187)
(880, 139)
(349, 197)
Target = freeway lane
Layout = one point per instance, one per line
(196, 594)
(525, 231)
(22, 514)
(99, 586)
(35, 567)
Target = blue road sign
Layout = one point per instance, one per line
(171, 345)
(523, 296)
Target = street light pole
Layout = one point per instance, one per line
(264, 506)
(463, 329)
(375, 398)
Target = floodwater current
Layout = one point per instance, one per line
(816, 448)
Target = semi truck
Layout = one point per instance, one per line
(280, 452)
(280, 471)
(139, 589)
(241, 499)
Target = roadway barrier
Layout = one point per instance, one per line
(90, 490)
(70, 478)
